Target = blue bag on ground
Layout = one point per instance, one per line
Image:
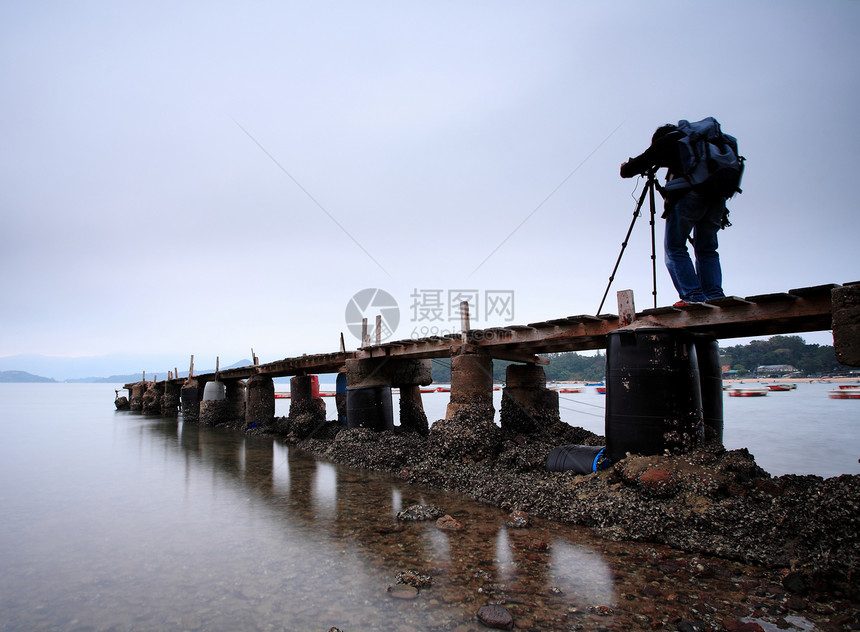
(582, 459)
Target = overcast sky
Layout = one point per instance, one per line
(207, 177)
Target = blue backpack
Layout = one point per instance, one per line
(709, 160)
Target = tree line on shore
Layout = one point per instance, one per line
(808, 359)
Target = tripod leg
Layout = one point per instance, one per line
(651, 183)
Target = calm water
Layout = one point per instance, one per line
(120, 521)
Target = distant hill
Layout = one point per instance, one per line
(161, 375)
(22, 376)
(113, 368)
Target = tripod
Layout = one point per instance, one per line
(650, 185)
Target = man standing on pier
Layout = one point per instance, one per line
(687, 211)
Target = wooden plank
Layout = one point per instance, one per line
(585, 318)
(816, 290)
(515, 356)
(562, 321)
(727, 301)
(771, 298)
(694, 307)
(656, 311)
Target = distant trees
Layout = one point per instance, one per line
(809, 359)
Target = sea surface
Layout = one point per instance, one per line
(115, 520)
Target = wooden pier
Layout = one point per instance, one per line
(406, 363)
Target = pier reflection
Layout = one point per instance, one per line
(337, 511)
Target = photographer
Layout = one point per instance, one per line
(686, 212)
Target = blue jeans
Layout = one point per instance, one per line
(700, 216)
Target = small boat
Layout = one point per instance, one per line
(443, 389)
(282, 395)
(748, 391)
(569, 389)
(844, 392)
(594, 383)
(601, 390)
(428, 390)
(780, 387)
(847, 386)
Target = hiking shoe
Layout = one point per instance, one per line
(683, 303)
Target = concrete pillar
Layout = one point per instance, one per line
(528, 406)
(846, 323)
(189, 397)
(152, 397)
(213, 407)
(307, 413)
(382, 373)
(170, 399)
(235, 402)
(472, 386)
(260, 394)
(301, 393)
(137, 391)
(412, 415)
(340, 398)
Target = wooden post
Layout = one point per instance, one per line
(365, 341)
(465, 326)
(378, 329)
(342, 345)
(626, 308)
(191, 368)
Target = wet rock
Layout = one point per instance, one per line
(495, 616)
(414, 579)
(403, 591)
(519, 520)
(793, 582)
(420, 512)
(448, 523)
(603, 611)
(737, 625)
(122, 403)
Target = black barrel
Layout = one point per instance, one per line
(711, 381)
(653, 394)
(582, 459)
(369, 407)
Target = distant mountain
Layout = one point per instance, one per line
(22, 376)
(161, 375)
(113, 368)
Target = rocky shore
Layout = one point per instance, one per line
(709, 501)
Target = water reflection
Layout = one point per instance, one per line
(344, 520)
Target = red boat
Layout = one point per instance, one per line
(844, 392)
(751, 391)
